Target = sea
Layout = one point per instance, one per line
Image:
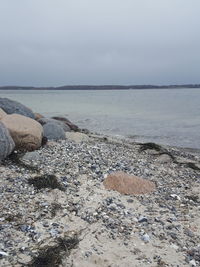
(164, 116)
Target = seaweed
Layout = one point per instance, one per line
(54, 208)
(46, 181)
(52, 256)
(158, 148)
(153, 146)
(192, 165)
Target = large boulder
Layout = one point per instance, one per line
(11, 107)
(53, 131)
(26, 132)
(64, 126)
(6, 142)
(71, 125)
(2, 113)
(128, 184)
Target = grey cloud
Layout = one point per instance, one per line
(59, 42)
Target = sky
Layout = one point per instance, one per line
(69, 42)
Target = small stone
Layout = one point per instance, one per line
(2, 253)
(31, 156)
(145, 238)
(192, 263)
(175, 197)
(164, 158)
(142, 219)
(174, 246)
(23, 258)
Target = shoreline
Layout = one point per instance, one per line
(87, 225)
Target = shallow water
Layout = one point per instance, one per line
(167, 116)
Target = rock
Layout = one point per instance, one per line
(53, 131)
(2, 253)
(71, 125)
(142, 219)
(6, 142)
(145, 238)
(77, 137)
(38, 116)
(31, 156)
(44, 121)
(26, 132)
(128, 184)
(24, 259)
(192, 263)
(11, 107)
(164, 158)
(2, 113)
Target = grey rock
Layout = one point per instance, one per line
(192, 263)
(142, 219)
(145, 238)
(64, 126)
(6, 142)
(53, 131)
(68, 123)
(11, 107)
(2, 253)
(31, 156)
(77, 137)
(164, 158)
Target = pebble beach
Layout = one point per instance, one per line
(56, 211)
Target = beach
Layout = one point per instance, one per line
(56, 211)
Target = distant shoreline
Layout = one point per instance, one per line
(103, 87)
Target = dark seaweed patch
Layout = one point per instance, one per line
(52, 256)
(156, 147)
(192, 166)
(153, 146)
(54, 208)
(46, 181)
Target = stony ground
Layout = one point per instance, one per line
(55, 211)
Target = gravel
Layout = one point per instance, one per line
(152, 229)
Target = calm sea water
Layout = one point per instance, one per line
(170, 116)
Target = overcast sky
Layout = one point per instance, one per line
(58, 42)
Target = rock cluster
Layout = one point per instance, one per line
(28, 130)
